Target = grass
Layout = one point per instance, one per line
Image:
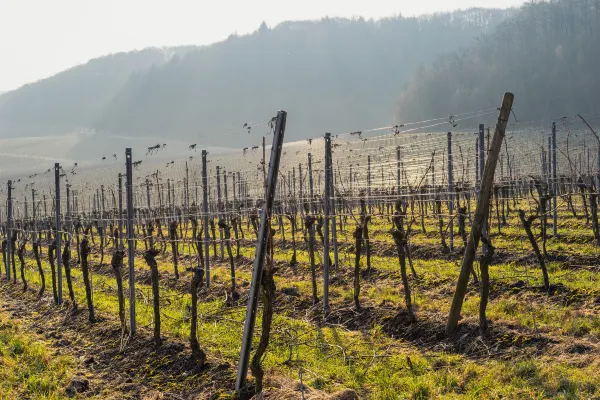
(369, 359)
(28, 368)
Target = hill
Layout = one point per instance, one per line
(73, 99)
(332, 74)
(547, 54)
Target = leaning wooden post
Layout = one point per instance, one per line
(261, 249)
(480, 213)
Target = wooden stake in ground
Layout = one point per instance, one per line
(480, 213)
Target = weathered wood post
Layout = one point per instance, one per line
(261, 249)
(480, 214)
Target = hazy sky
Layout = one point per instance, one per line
(39, 38)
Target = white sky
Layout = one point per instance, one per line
(39, 38)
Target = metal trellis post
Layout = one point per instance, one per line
(326, 210)
(481, 168)
(130, 239)
(120, 219)
(450, 192)
(205, 211)
(554, 183)
(310, 184)
(58, 230)
(9, 230)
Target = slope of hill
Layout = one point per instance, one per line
(73, 99)
(547, 54)
(332, 74)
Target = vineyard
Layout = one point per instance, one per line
(440, 258)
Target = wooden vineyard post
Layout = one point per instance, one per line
(9, 223)
(481, 211)
(261, 248)
(58, 230)
(130, 239)
(205, 212)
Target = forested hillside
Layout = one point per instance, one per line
(548, 54)
(73, 99)
(333, 74)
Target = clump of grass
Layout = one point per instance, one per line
(421, 392)
(27, 369)
(525, 369)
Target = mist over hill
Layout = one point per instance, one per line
(73, 100)
(547, 54)
(330, 75)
